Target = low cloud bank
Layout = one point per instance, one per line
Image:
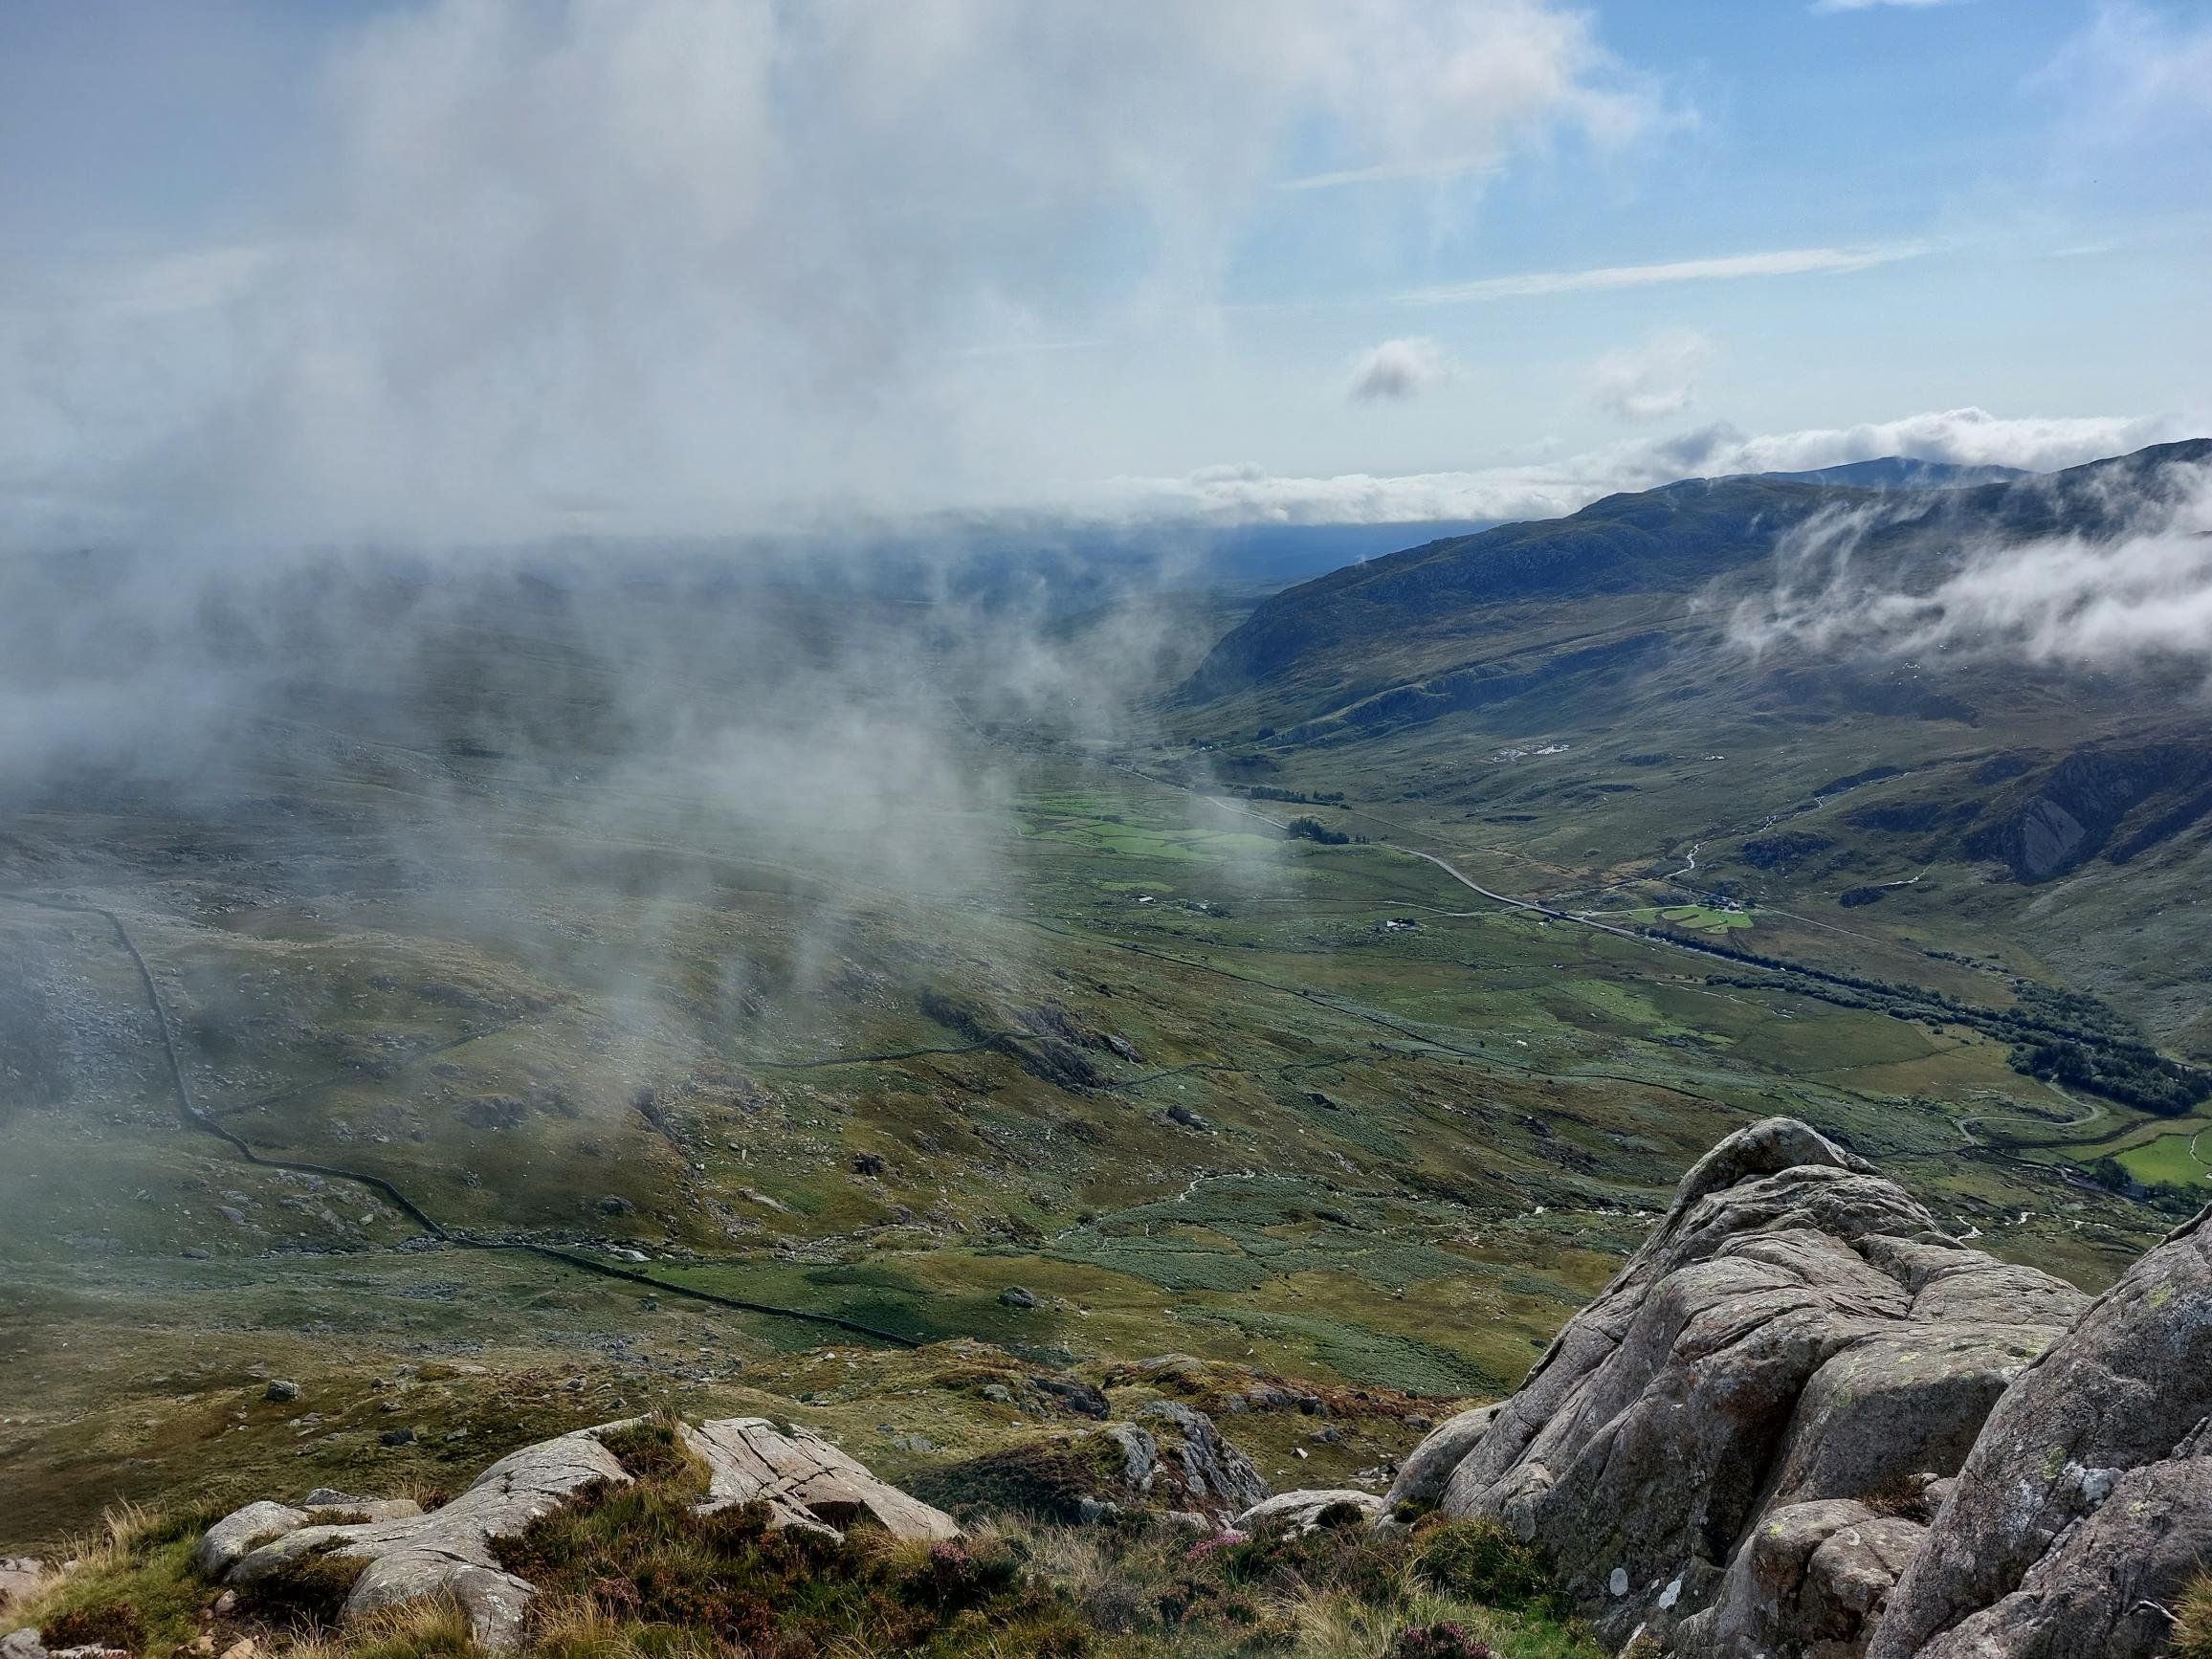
(2135, 589)
(1548, 488)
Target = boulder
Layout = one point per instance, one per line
(230, 1539)
(1798, 1330)
(804, 1480)
(1302, 1511)
(2086, 1504)
(20, 1576)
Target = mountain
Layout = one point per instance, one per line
(1667, 543)
(1681, 692)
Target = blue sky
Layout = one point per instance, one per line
(481, 269)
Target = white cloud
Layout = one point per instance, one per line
(2132, 76)
(716, 262)
(1397, 370)
(1652, 380)
(1395, 172)
(1782, 262)
(1252, 495)
(2145, 591)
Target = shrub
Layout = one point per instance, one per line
(1444, 1641)
(1045, 1480)
(307, 1590)
(110, 1625)
(1481, 1562)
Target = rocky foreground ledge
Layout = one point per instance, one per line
(1802, 1423)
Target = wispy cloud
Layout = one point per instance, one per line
(1395, 371)
(1872, 5)
(1782, 262)
(1652, 380)
(1392, 172)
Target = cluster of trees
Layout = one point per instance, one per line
(2078, 1040)
(1295, 797)
(1310, 828)
(2135, 1075)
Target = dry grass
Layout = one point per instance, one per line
(2193, 1620)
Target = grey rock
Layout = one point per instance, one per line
(1421, 1477)
(1796, 1330)
(398, 1437)
(2088, 1495)
(1073, 1395)
(19, 1577)
(230, 1540)
(1015, 1296)
(1140, 1455)
(1213, 1476)
(1807, 1586)
(804, 1481)
(281, 1390)
(22, 1645)
(1301, 1510)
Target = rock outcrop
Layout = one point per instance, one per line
(2086, 1503)
(448, 1551)
(1707, 1451)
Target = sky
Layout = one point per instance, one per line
(461, 272)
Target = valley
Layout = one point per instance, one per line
(433, 1029)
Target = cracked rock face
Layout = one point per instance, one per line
(448, 1552)
(804, 1480)
(2088, 1496)
(1797, 1331)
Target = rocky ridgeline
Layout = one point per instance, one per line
(1802, 1423)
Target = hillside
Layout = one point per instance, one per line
(1679, 694)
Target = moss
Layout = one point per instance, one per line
(653, 1450)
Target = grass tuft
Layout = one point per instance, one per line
(2193, 1620)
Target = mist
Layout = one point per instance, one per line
(2119, 579)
